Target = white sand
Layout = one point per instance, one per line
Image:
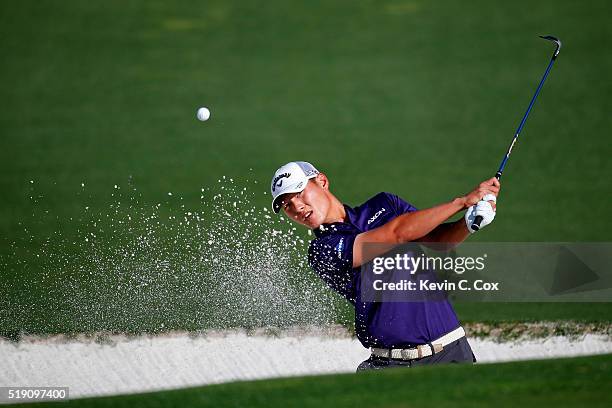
(139, 364)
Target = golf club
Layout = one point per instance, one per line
(478, 219)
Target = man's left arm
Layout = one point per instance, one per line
(450, 233)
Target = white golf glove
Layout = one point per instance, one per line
(482, 208)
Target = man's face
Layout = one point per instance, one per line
(309, 207)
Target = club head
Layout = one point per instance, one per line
(556, 41)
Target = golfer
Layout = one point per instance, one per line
(397, 333)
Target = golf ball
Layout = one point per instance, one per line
(203, 114)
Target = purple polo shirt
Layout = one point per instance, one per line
(377, 324)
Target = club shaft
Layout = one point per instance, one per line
(478, 219)
(522, 124)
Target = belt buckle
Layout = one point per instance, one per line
(405, 353)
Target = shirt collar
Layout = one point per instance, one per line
(334, 227)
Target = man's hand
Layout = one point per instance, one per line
(485, 208)
(490, 186)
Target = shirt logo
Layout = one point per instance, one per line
(278, 180)
(375, 216)
(340, 247)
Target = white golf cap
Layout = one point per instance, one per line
(290, 178)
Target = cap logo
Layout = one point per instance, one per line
(278, 182)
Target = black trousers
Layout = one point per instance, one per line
(456, 352)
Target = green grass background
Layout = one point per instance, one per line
(577, 382)
(415, 97)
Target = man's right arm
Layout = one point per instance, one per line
(414, 225)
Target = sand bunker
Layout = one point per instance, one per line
(103, 365)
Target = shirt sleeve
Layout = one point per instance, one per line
(331, 257)
(399, 205)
